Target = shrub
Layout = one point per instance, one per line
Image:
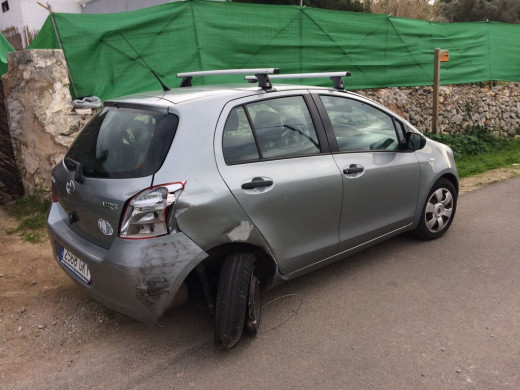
(474, 140)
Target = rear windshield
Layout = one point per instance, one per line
(123, 143)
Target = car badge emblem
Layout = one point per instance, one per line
(110, 206)
(70, 187)
(105, 227)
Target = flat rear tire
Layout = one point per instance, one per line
(233, 303)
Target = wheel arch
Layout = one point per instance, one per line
(265, 265)
(426, 188)
(453, 179)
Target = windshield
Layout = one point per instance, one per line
(123, 143)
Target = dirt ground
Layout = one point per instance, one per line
(45, 317)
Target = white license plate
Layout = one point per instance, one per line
(74, 263)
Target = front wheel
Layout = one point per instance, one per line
(438, 211)
(238, 300)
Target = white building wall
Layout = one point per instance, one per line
(110, 6)
(28, 13)
(34, 15)
(13, 17)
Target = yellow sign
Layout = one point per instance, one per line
(445, 55)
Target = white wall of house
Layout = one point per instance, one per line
(28, 13)
(34, 15)
(106, 6)
(12, 17)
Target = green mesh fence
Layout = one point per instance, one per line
(380, 51)
(5, 47)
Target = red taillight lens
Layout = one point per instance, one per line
(148, 214)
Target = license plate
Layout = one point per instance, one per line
(75, 264)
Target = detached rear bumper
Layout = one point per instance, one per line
(138, 278)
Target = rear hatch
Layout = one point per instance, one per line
(114, 157)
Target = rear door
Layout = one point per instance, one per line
(113, 158)
(275, 160)
(380, 181)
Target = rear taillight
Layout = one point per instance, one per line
(53, 192)
(150, 213)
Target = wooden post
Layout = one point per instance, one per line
(436, 81)
(26, 36)
(49, 8)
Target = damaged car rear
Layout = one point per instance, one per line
(112, 229)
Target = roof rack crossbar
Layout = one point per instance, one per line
(261, 75)
(336, 77)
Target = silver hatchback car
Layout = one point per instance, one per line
(225, 191)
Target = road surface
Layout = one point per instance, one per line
(403, 315)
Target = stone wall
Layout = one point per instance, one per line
(459, 106)
(43, 122)
(41, 118)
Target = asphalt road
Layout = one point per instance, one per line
(403, 315)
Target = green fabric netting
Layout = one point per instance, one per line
(379, 50)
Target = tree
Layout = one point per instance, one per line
(507, 11)
(417, 9)
(341, 5)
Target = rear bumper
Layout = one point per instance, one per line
(138, 278)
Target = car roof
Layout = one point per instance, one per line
(187, 95)
(182, 95)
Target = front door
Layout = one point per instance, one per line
(380, 181)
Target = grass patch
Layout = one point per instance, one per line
(505, 156)
(477, 150)
(31, 211)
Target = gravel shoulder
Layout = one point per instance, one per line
(47, 324)
(475, 182)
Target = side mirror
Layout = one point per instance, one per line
(414, 141)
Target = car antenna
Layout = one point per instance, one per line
(164, 87)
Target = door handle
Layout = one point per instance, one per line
(257, 182)
(353, 169)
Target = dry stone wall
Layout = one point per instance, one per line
(459, 106)
(41, 118)
(43, 122)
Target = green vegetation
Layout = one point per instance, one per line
(342, 5)
(476, 150)
(32, 212)
(507, 11)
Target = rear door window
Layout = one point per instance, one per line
(274, 128)
(123, 143)
(239, 142)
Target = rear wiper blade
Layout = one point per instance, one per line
(70, 163)
(78, 168)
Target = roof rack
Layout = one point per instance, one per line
(336, 77)
(260, 74)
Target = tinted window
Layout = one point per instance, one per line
(359, 126)
(284, 127)
(123, 143)
(239, 142)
